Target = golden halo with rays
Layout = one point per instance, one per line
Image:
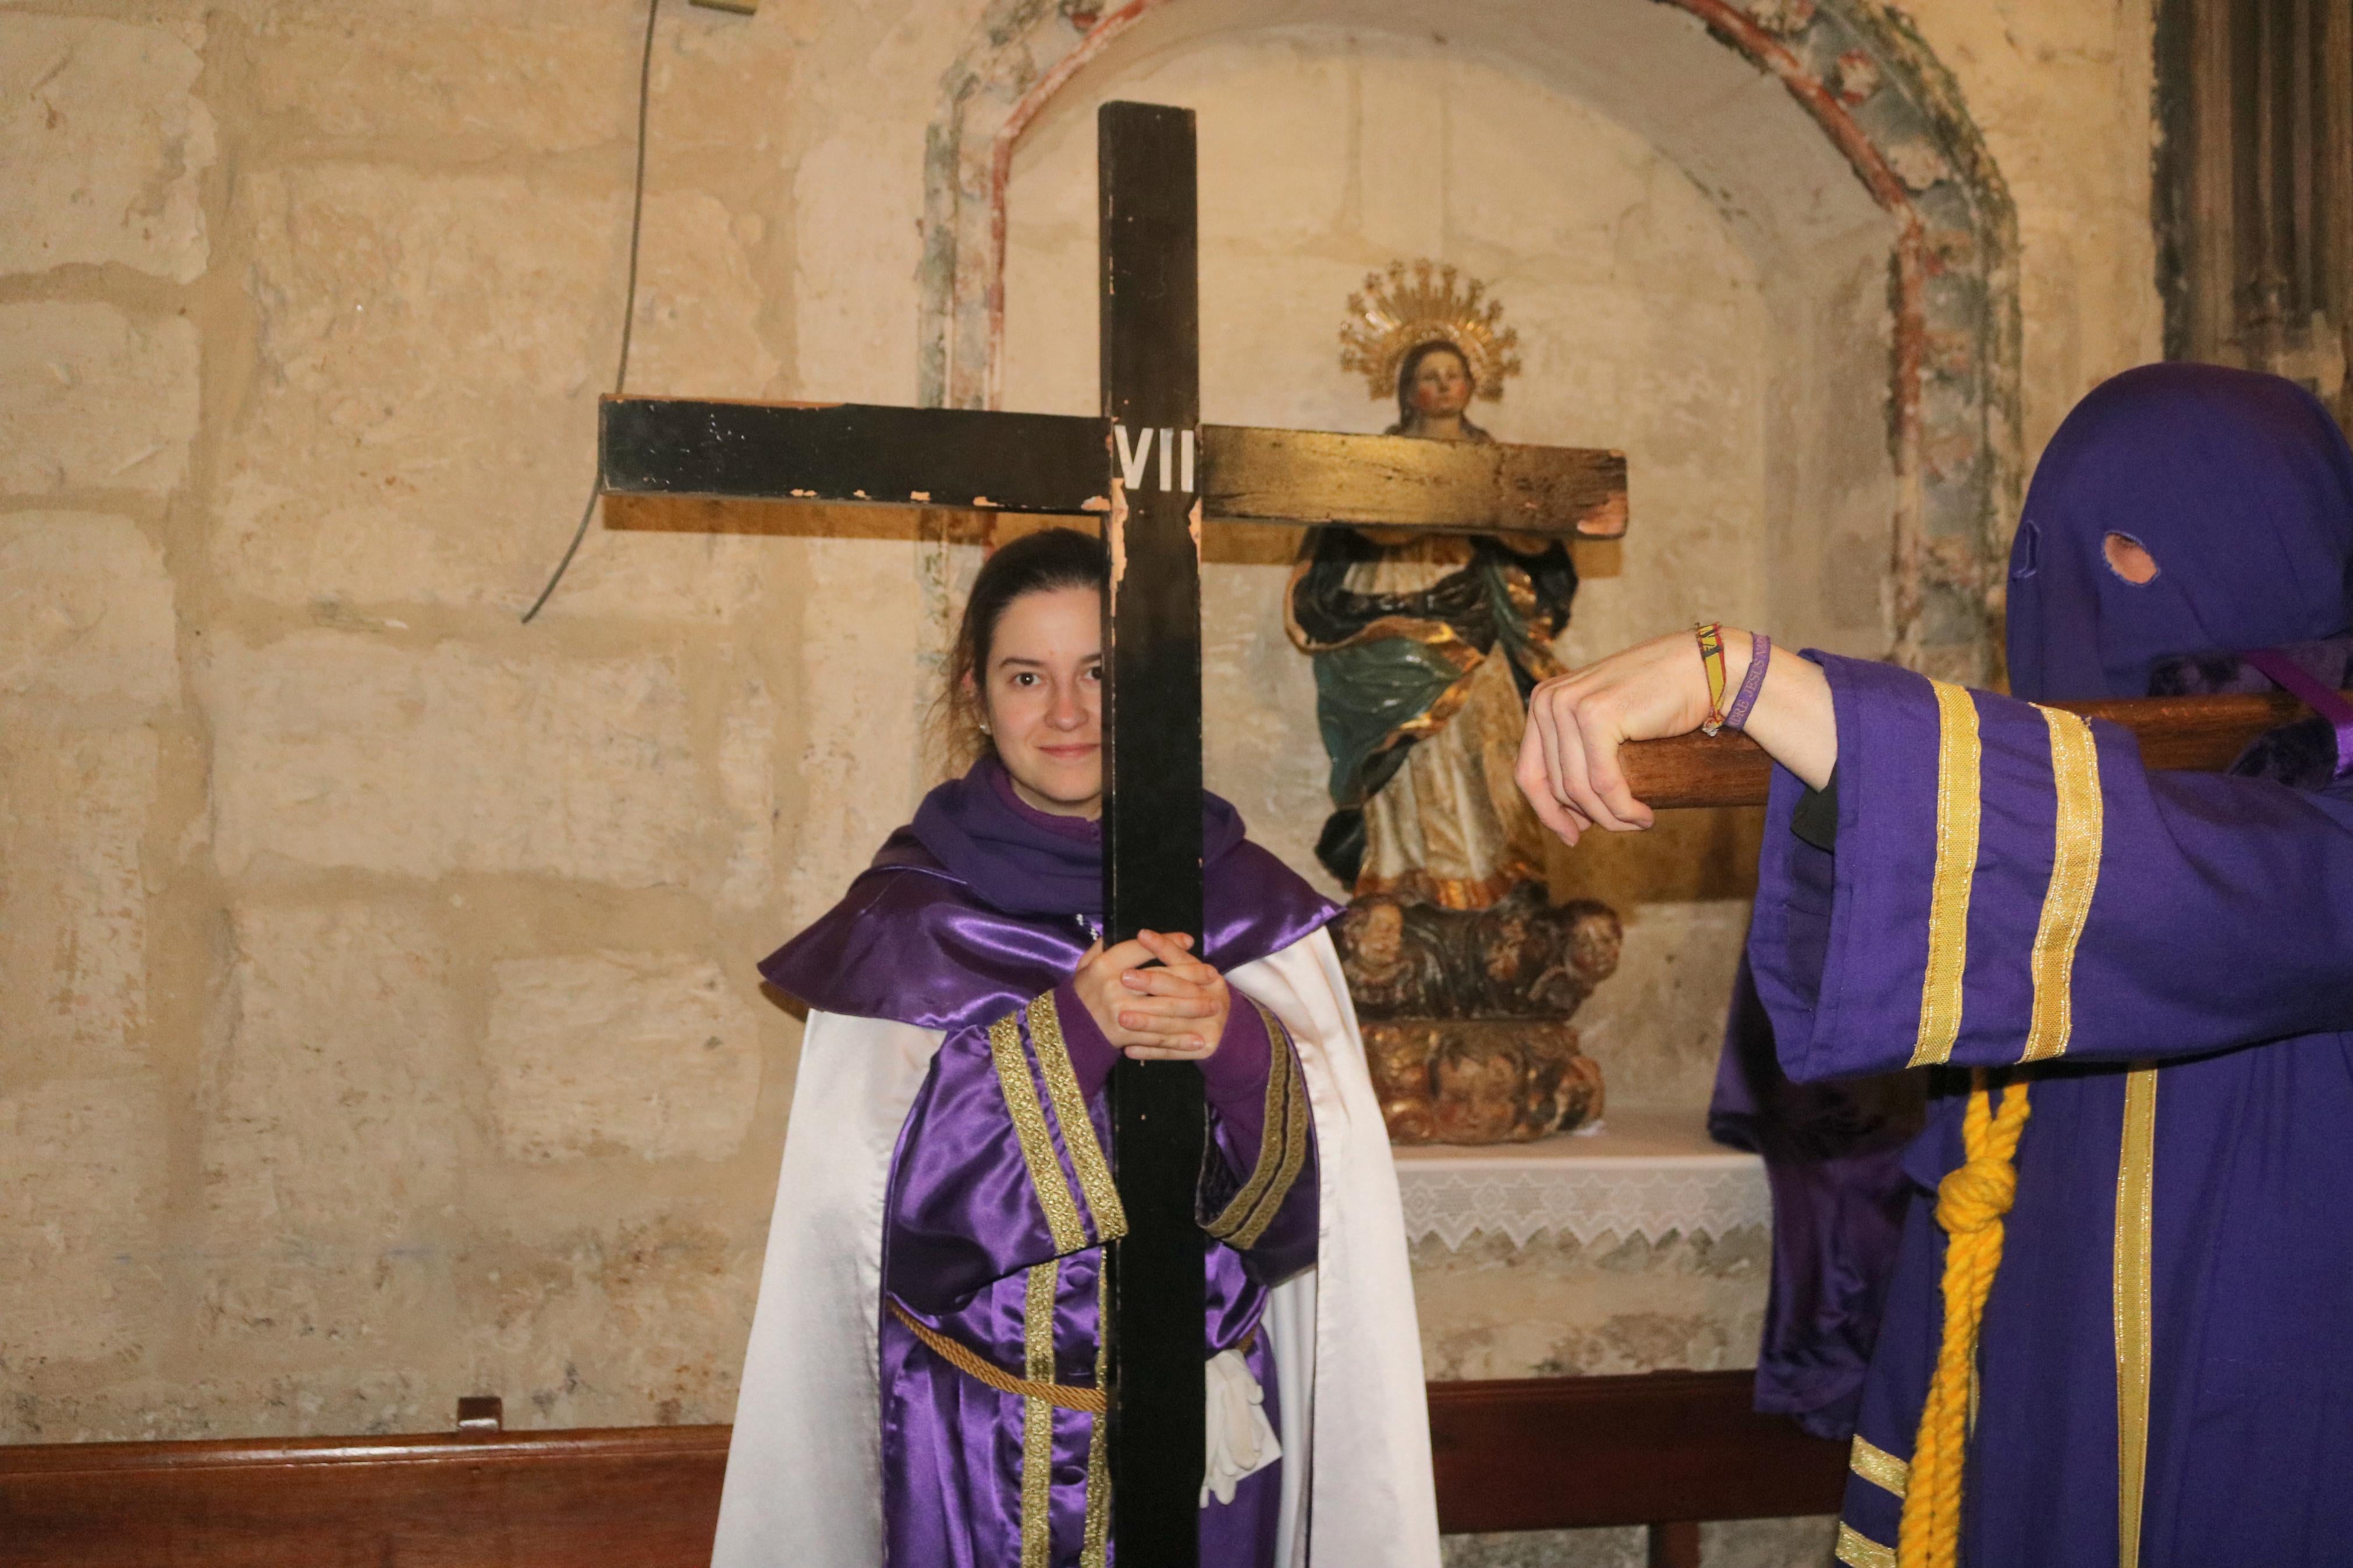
(1395, 313)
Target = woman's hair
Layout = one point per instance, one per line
(1410, 366)
(1040, 562)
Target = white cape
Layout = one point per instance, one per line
(805, 1470)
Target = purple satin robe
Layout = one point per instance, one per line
(2169, 1316)
(971, 922)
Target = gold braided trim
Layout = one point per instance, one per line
(1877, 1466)
(1061, 1396)
(1044, 1285)
(1269, 1140)
(1970, 1202)
(1857, 1550)
(1296, 1140)
(2136, 1221)
(1028, 1117)
(1958, 808)
(1095, 1536)
(2075, 874)
(1078, 1127)
(1282, 1145)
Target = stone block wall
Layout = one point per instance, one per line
(379, 1022)
(376, 1016)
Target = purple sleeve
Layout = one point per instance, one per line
(1234, 1078)
(2012, 885)
(1000, 1163)
(1260, 1188)
(1244, 1093)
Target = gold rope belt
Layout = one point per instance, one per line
(1970, 1202)
(974, 1365)
(1062, 1395)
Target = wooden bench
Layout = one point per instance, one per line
(1667, 1450)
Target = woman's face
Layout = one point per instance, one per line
(1441, 385)
(1042, 692)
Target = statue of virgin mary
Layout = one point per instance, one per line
(1426, 645)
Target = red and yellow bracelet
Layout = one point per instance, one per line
(1710, 658)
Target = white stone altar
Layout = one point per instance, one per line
(1647, 1174)
(1641, 1246)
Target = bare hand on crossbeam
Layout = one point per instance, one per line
(1569, 766)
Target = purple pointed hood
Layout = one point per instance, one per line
(2240, 486)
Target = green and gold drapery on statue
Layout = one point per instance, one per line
(1424, 647)
(1465, 974)
(1425, 651)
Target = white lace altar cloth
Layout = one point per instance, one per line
(1641, 1173)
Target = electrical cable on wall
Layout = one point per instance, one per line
(628, 300)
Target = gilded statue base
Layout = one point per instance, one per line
(1480, 1081)
(1466, 1013)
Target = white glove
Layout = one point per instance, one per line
(1242, 1443)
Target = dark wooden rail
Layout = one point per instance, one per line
(1560, 1453)
(2185, 734)
(1666, 1451)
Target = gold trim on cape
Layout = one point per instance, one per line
(1857, 1550)
(1038, 1416)
(1958, 809)
(2136, 1217)
(1021, 1104)
(2075, 874)
(1078, 1127)
(1877, 1466)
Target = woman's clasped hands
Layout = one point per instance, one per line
(1173, 1013)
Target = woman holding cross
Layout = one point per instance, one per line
(2117, 1308)
(924, 1383)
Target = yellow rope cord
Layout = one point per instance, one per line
(1970, 1202)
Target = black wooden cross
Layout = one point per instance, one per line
(1152, 472)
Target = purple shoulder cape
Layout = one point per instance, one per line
(982, 903)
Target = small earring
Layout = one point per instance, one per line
(984, 727)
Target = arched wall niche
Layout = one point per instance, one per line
(1754, 102)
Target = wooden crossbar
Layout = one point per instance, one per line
(771, 468)
(2180, 734)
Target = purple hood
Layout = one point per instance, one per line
(982, 902)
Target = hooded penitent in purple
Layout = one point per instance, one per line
(2164, 960)
(971, 922)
